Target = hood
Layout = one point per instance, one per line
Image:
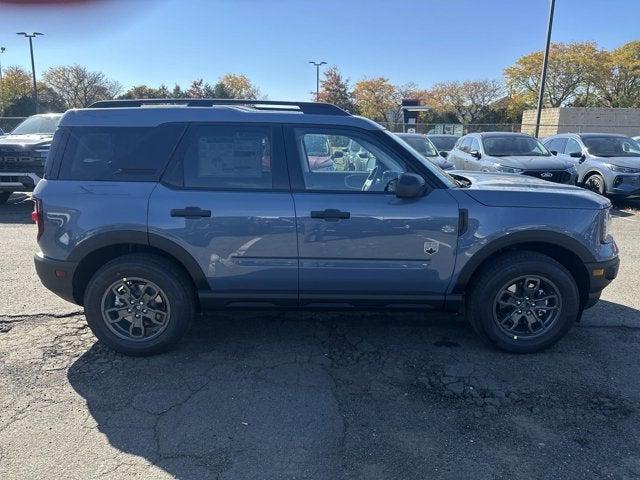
(28, 140)
(631, 162)
(512, 190)
(551, 162)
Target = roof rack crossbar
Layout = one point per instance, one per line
(304, 107)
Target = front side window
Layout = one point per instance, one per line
(556, 144)
(465, 143)
(609, 146)
(422, 145)
(361, 165)
(572, 147)
(118, 153)
(443, 143)
(224, 157)
(475, 145)
(513, 146)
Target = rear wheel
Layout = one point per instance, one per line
(523, 302)
(139, 304)
(595, 182)
(4, 196)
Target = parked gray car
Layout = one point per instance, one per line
(424, 147)
(607, 163)
(148, 215)
(510, 153)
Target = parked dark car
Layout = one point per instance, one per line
(443, 142)
(424, 147)
(23, 153)
(607, 163)
(148, 215)
(516, 153)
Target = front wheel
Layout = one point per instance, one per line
(139, 304)
(523, 302)
(595, 182)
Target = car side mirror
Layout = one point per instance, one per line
(553, 152)
(576, 155)
(443, 154)
(338, 154)
(409, 185)
(475, 153)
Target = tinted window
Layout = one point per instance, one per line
(572, 147)
(556, 144)
(118, 153)
(606, 146)
(224, 157)
(513, 145)
(443, 143)
(421, 144)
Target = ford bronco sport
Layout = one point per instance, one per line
(152, 210)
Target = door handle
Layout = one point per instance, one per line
(330, 214)
(190, 212)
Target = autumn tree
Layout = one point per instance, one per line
(335, 89)
(618, 84)
(377, 99)
(16, 84)
(76, 87)
(144, 91)
(469, 101)
(236, 86)
(572, 73)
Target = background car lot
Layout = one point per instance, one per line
(314, 395)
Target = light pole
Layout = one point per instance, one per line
(31, 36)
(545, 61)
(317, 65)
(2, 50)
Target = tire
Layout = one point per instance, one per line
(595, 182)
(120, 284)
(4, 196)
(485, 312)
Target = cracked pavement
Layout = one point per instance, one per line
(314, 395)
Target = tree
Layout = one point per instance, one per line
(469, 101)
(144, 91)
(618, 85)
(76, 87)
(236, 86)
(16, 84)
(572, 73)
(377, 99)
(335, 89)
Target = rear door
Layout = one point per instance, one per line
(225, 199)
(367, 247)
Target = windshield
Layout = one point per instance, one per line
(514, 146)
(443, 143)
(38, 124)
(437, 171)
(612, 146)
(421, 144)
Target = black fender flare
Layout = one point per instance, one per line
(137, 237)
(513, 240)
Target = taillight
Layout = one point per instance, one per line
(36, 216)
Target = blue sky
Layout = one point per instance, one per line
(424, 41)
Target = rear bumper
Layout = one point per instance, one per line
(601, 274)
(56, 275)
(18, 181)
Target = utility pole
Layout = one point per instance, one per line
(317, 65)
(545, 61)
(31, 36)
(2, 50)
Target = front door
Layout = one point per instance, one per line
(225, 200)
(358, 243)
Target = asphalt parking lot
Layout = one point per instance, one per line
(314, 395)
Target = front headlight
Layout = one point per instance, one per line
(605, 228)
(505, 169)
(619, 169)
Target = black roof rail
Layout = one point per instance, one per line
(304, 107)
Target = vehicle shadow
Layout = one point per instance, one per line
(17, 210)
(367, 395)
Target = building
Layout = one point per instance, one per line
(583, 119)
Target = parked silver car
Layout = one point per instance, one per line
(511, 153)
(607, 163)
(427, 149)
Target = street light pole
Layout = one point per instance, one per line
(317, 65)
(31, 36)
(2, 50)
(545, 61)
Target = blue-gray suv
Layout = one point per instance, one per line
(153, 210)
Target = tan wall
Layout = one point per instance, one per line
(583, 119)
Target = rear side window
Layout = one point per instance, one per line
(225, 157)
(556, 144)
(118, 153)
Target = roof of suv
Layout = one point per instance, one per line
(149, 113)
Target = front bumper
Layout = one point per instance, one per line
(624, 185)
(56, 275)
(18, 181)
(601, 274)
